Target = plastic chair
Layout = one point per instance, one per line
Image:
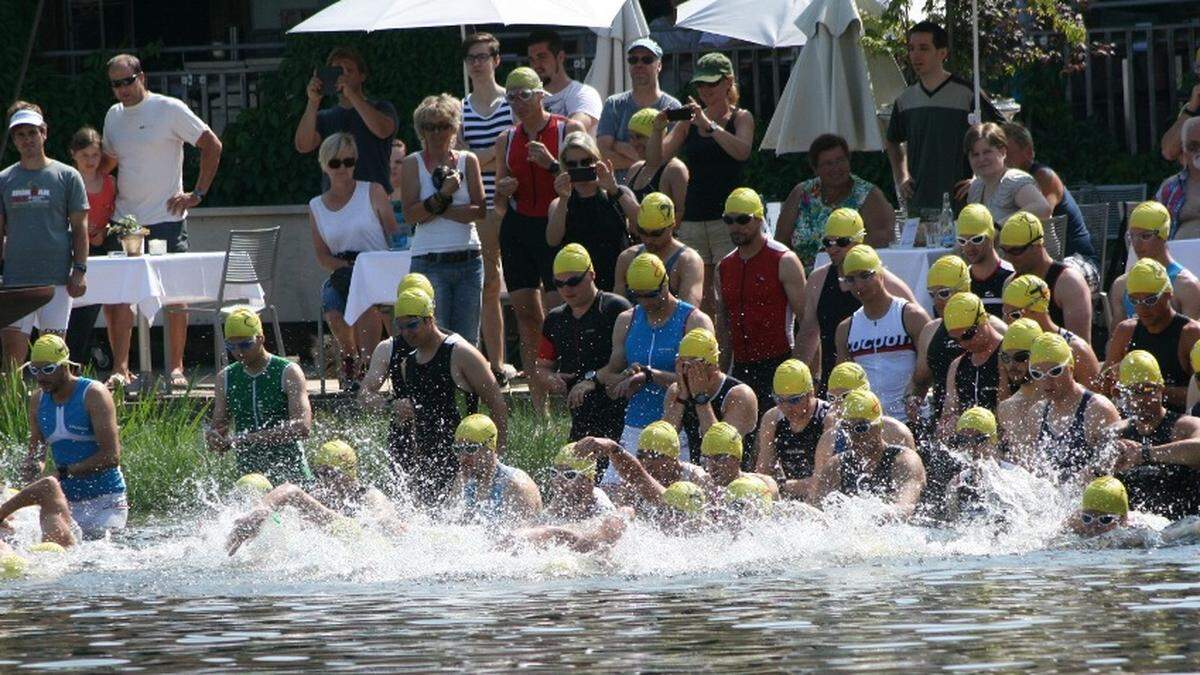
(1055, 229)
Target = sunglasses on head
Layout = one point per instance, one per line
(338, 162)
(409, 325)
(842, 242)
(1148, 301)
(1103, 518)
(571, 281)
(942, 293)
(579, 163)
(124, 81)
(239, 345)
(790, 400)
(646, 295)
(644, 60)
(435, 127)
(861, 276)
(566, 474)
(740, 219)
(1053, 372)
(1018, 356)
(47, 369)
(522, 95)
(464, 448)
(976, 240)
(1018, 250)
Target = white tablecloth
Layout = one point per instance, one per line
(910, 264)
(1186, 252)
(153, 281)
(376, 275)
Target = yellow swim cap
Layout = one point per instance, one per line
(977, 419)
(700, 343)
(645, 273)
(748, 490)
(47, 547)
(1106, 495)
(49, 348)
(415, 280)
(523, 78)
(950, 271)
(1027, 292)
(567, 459)
(1051, 348)
(1147, 276)
(1151, 216)
(744, 200)
(963, 311)
(660, 437)
(1140, 367)
(573, 258)
(846, 222)
(1194, 356)
(657, 212)
(861, 258)
(975, 219)
(848, 376)
(684, 496)
(862, 406)
(792, 378)
(477, 428)
(12, 566)
(1020, 229)
(254, 483)
(642, 121)
(1020, 335)
(337, 455)
(722, 438)
(243, 323)
(413, 302)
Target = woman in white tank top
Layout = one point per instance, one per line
(347, 219)
(443, 197)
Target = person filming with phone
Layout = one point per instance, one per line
(372, 122)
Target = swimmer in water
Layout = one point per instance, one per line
(1104, 516)
(572, 488)
(485, 487)
(336, 497)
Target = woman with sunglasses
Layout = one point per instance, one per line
(590, 209)
(975, 378)
(1074, 423)
(789, 432)
(975, 234)
(669, 177)
(1002, 190)
(655, 227)
(1017, 427)
(486, 489)
(443, 197)
(572, 488)
(350, 217)
(1028, 297)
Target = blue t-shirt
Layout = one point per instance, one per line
(374, 153)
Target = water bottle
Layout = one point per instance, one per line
(946, 223)
(898, 225)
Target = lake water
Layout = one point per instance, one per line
(847, 591)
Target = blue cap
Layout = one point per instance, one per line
(647, 44)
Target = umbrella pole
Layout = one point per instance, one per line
(462, 33)
(976, 116)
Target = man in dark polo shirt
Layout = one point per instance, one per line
(577, 341)
(929, 120)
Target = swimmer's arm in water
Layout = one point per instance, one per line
(384, 512)
(369, 395)
(582, 537)
(909, 478)
(826, 480)
(626, 465)
(100, 408)
(35, 456)
(247, 527)
(299, 423)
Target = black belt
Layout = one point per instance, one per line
(449, 256)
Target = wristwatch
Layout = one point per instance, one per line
(199, 194)
(712, 128)
(79, 267)
(701, 399)
(589, 376)
(1146, 459)
(649, 373)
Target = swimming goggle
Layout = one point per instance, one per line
(1053, 372)
(462, 448)
(47, 369)
(568, 474)
(1102, 519)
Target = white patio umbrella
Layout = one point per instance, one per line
(609, 73)
(372, 15)
(771, 23)
(829, 88)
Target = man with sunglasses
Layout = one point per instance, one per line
(880, 336)
(722, 449)
(1149, 229)
(975, 439)
(975, 378)
(572, 487)
(1022, 243)
(644, 57)
(845, 378)
(1016, 425)
(577, 342)
(655, 227)
(1157, 328)
(565, 96)
(1028, 297)
(870, 465)
(75, 418)
(976, 237)
(264, 397)
(759, 289)
(789, 432)
(1155, 482)
(486, 489)
(936, 350)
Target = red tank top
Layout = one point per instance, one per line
(535, 185)
(760, 318)
(100, 209)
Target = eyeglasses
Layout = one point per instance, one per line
(566, 474)
(1148, 301)
(740, 219)
(579, 163)
(1103, 519)
(463, 448)
(1018, 356)
(47, 369)
(124, 81)
(571, 281)
(339, 162)
(239, 345)
(859, 278)
(521, 94)
(857, 427)
(1018, 250)
(843, 242)
(1016, 314)
(479, 58)
(968, 334)
(976, 240)
(408, 325)
(1053, 372)
(646, 295)
(942, 293)
(790, 400)
(434, 128)
(651, 233)
(644, 60)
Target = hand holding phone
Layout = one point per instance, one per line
(583, 174)
(329, 76)
(679, 114)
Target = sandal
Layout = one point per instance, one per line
(178, 381)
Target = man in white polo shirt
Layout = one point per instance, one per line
(144, 134)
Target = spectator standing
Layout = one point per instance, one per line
(444, 198)
(351, 217)
(1022, 241)
(656, 222)
(564, 96)
(399, 152)
(1149, 227)
(669, 177)
(1003, 190)
(144, 134)
(592, 211)
(645, 64)
(86, 154)
(716, 141)
(372, 122)
(929, 121)
(43, 229)
(802, 218)
(1062, 203)
(1181, 193)
(486, 115)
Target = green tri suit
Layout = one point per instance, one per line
(257, 403)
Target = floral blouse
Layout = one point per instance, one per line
(813, 212)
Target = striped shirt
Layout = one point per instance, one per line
(481, 132)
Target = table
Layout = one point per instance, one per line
(374, 280)
(152, 282)
(1186, 252)
(910, 264)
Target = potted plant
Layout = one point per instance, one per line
(131, 233)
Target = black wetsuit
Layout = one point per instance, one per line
(796, 451)
(978, 385)
(880, 482)
(1052, 274)
(1165, 348)
(1067, 452)
(834, 306)
(691, 421)
(1169, 490)
(991, 289)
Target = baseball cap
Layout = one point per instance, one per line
(647, 44)
(712, 67)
